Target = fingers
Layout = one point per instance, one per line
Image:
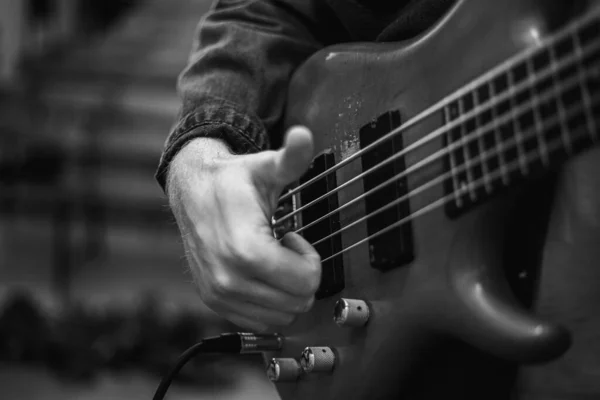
(226, 285)
(270, 276)
(289, 163)
(243, 273)
(295, 265)
(252, 304)
(297, 243)
(284, 268)
(261, 294)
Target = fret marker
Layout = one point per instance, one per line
(536, 37)
(523, 275)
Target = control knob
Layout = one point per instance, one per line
(283, 369)
(317, 359)
(351, 313)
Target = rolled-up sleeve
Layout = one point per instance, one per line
(235, 84)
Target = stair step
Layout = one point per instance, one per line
(92, 95)
(146, 43)
(132, 134)
(35, 201)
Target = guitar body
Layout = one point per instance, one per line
(445, 324)
(568, 290)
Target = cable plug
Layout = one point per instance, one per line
(236, 343)
(260, 342)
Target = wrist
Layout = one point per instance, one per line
(199, 157)
(204, 150)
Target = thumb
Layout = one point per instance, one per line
(292, 160)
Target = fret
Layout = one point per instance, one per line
(486, 119)
(551, 133)
(544, 156)
(473, 135)
(453, 162)
(548, 112)
(559, 103)
(547, 108)
(480, 146)
(505, 111)
(518, 135)
(495, 90)
(524, 102)
(465, 149)
(587, 101)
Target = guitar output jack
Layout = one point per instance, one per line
(351, 313)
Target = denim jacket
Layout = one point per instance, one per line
(235, 84)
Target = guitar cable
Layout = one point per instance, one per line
(227, 343)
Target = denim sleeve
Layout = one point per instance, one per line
(235, 84)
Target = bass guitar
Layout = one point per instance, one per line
(424, 151)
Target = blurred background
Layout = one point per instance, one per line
(95, 300)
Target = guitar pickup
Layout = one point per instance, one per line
(394, 248)
(305, 220)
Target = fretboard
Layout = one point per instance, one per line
(529, 117)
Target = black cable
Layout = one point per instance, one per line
(187, 355)
(240, 343)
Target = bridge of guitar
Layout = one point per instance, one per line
(313, 227)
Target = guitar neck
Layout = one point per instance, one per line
(528, 117)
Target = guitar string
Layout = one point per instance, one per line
(496, 71)
(512, 143)
(524, 108)
(442, 201)
(470, 136)
(476, 111)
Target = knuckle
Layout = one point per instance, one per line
(240, 251)
(314, 257)
(315, 263)
(300, 307)
(310, 280)
(223, 284)
(313, 279)
(308, 287)
(305, 305)
(288, 319)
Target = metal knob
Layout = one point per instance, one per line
(317, 359)
(351, 313)
(283, 369)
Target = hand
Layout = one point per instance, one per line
(223, 204)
